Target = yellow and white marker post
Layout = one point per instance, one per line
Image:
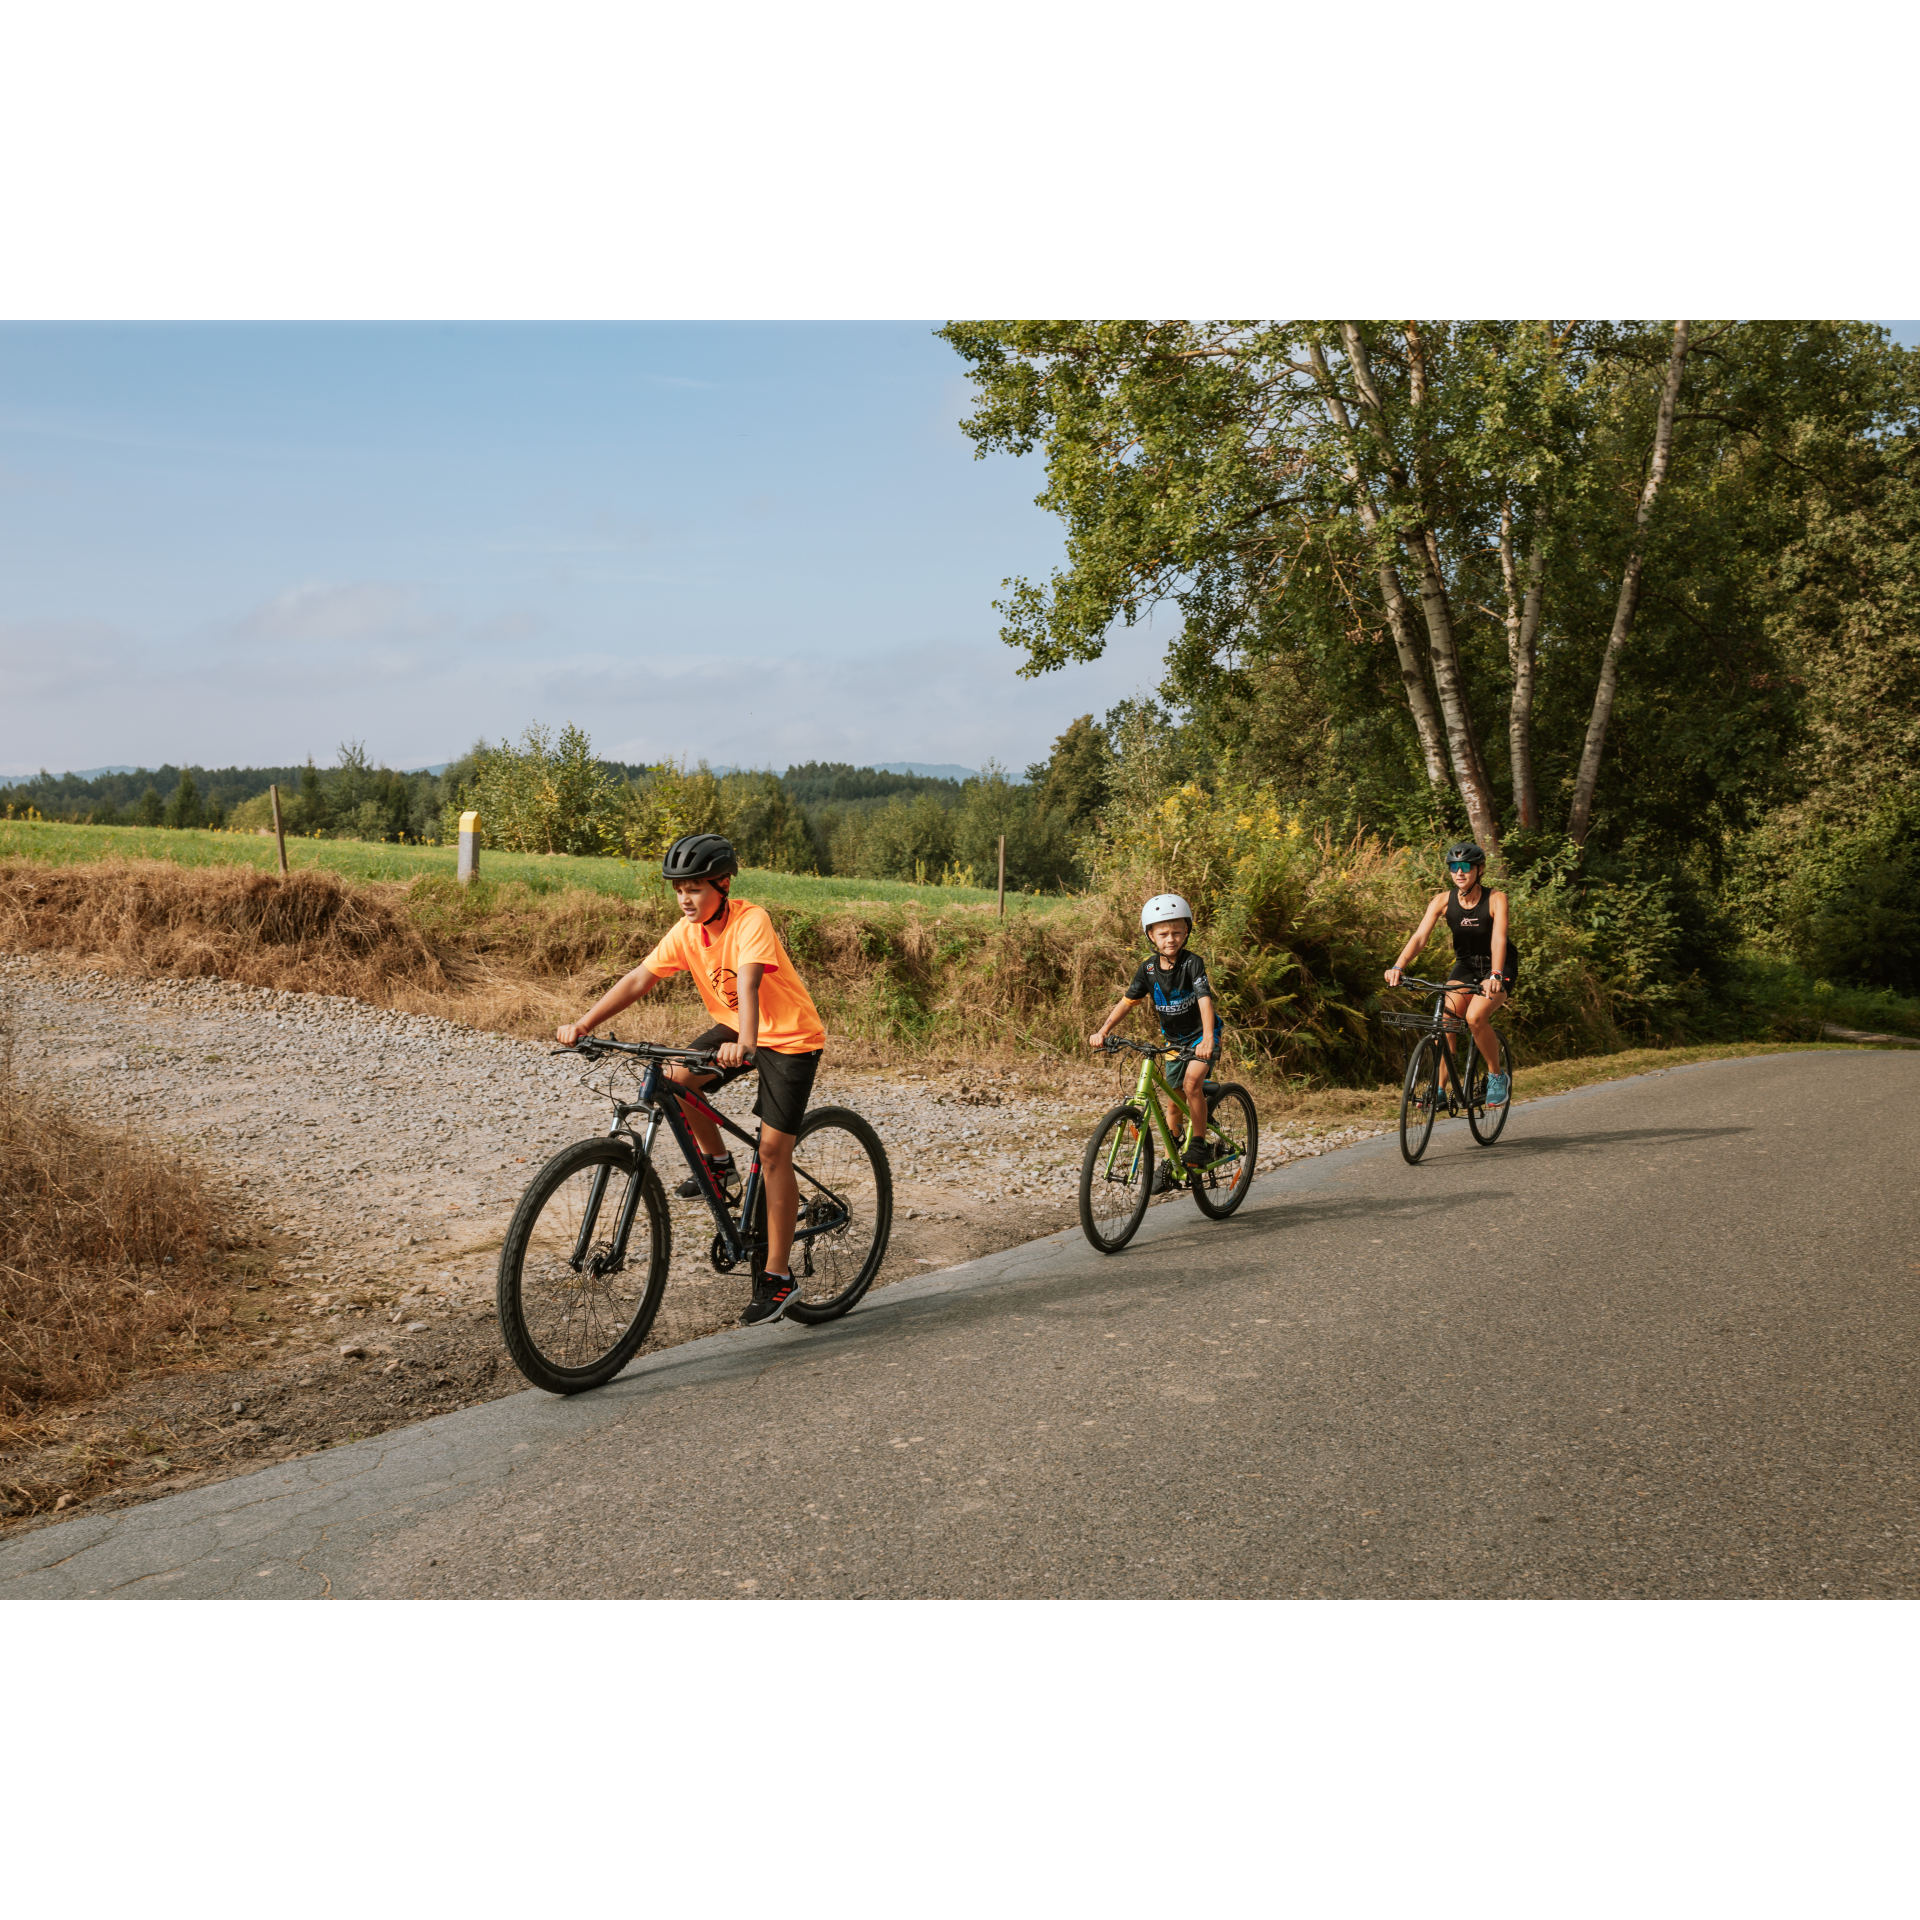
(469, 847)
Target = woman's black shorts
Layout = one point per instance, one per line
(786, 1079)
(1467, 974)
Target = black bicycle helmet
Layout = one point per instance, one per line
(1466, 850)
(700, 856)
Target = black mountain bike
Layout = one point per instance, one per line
(585, 1262)
(1436, 1080)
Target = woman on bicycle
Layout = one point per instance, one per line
(1486, 963)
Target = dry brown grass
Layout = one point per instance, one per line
(502, 958)
(111, 1252)
(311, 933)
(891, 984)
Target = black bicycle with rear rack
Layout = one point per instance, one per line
(1436, 1081)
(584, 1266)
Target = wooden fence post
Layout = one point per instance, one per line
(1003, 876)
(469, 847)
(279, 832)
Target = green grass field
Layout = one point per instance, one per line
(62, 845)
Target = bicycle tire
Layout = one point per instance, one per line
(1486, 1133)
(1111, 1210)
(1419, 1099)
(836, 1150)
(1217, 1202)
(569, 1329)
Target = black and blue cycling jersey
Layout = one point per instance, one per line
(1175, 992)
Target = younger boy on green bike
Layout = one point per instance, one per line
(1176, 981)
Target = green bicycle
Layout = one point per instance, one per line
(1116, 1176)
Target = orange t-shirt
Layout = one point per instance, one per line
(715, 955)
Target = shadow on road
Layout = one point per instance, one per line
(1092, 1284)
(1527, 1145)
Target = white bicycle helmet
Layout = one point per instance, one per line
(1164, 906)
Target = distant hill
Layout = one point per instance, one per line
(926, 769)
(84, 773)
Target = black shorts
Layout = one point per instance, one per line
(1467, 973)
(786, 1079)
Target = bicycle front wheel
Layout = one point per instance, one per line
(584, 1265)
(1420, 1099)
(846, 1213)
(1116, 1179)
(1233, 1145)
(1487, 1122)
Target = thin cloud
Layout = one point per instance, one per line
(323, 613)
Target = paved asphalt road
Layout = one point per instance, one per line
(1660, 1341)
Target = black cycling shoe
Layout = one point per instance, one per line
(1198, 1153)
(771, 1292)
(691, 1189)
(1165, 1180)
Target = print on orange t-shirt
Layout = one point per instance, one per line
(715, 955)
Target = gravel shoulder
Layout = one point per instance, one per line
(385, 1151)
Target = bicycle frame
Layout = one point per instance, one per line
(1146, 1096)
(663, 1100)
(1441, 1023)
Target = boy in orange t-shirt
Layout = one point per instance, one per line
(767, 1025)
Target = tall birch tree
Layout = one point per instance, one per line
(1659, 459)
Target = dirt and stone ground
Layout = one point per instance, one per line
(384, 1153)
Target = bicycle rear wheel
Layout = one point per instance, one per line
(1487, 1123)
(1420, 1099)
(584, 1265)
(1233, 1135)
(1116, 1179)
(846, 1190)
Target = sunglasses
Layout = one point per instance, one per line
(1460, 866)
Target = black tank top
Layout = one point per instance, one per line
(1472, 930)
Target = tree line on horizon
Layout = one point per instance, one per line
(549, 793)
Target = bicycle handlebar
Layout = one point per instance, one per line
(592, 1049)
(1113, 1044)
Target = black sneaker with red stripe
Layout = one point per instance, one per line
(771, 1292)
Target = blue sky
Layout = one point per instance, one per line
(752, 542)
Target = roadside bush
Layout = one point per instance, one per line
(1866, 932)
(1840, 897)
(547, 795)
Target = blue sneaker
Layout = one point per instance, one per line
(1497, 1089)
